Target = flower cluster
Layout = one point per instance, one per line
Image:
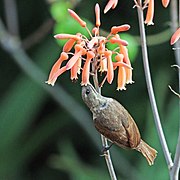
(92, 55)
(147, 3)
(149, 16)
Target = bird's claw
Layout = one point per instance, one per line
(105, 150)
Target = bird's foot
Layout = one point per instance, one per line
(105, 150)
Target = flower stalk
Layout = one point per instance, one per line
(150, 87)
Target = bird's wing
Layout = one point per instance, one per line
(132, 132)
(117, 136)
(129, 125)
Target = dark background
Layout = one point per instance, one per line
(47, 132)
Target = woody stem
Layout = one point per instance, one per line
(103, 139)
(150, 87)
(175, 23)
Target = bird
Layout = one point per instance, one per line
(114, 122)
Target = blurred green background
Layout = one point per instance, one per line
(47, 132)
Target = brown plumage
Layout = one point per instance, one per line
(113, 121)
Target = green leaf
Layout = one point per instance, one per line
(59, 10)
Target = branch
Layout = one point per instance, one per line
(174, 25)
(38, 35)
(11, 16)
(150, 88)
(174, 91)
(104, 139)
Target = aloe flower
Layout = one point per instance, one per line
(92, 51)
(147, 3)
(175, 37)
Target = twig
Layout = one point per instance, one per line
(174, 25)
(39, 34)
(150, 88)
(11, 17)
(174, 91)
(175, 66)
(103, 139)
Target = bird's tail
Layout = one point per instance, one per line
(148, 152)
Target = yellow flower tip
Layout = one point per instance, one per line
(97, 13)
(50, 83)
(175, 37)
(149, 23)
(77, 18)
(84, 84)
(165, 3)
(130, 82)
(74, 71)
(121, 88)
(122, 28)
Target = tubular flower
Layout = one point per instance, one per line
(110, 71)
(111, 4)
(86, 69)
(175, 36)
(93, 51)
(55, 68)
(150, 13)
(165, 3)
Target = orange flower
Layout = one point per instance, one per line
(74, 71)
(86, 68)
(110, 71)
(124, 51)
(94, 52)
(52, 78)
(119, 41)
(150, 13)
(175, 36)
(103, 65)
(95, 31)
(101, 48)
(97, 13)
(117, 29)
(77, 18)
(79, 51)
(67, 36)
(111, 4)
(121, 74)
(165, 3)
(56, 75)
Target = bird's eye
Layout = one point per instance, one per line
(87, 91)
